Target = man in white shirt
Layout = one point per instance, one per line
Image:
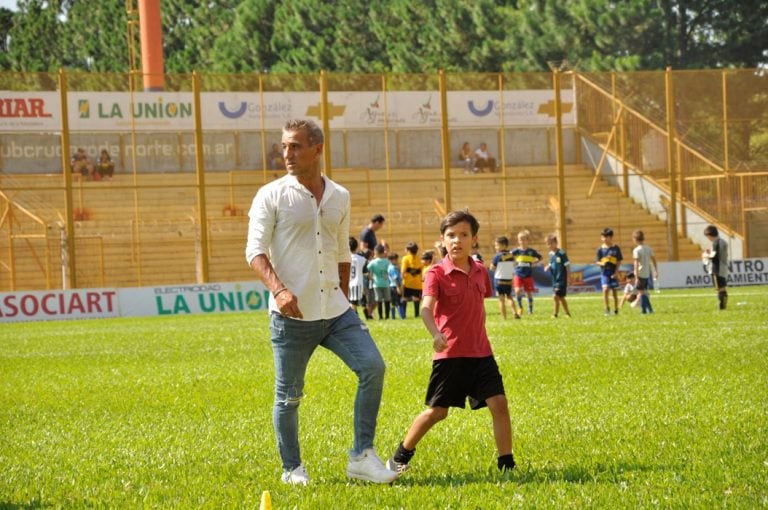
(298, 239)
(483, 159)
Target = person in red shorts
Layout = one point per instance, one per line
(525, 258)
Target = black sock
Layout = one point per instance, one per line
(415, 308)
(403, 455)
(506, 462)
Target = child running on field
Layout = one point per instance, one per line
(463, 365)
(503, 267)
(558, 268)
(525, 258)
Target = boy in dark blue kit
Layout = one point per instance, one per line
(609, 259)
(453, 310)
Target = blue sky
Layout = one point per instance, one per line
(8, 4)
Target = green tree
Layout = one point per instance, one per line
(6, 23)
(303, 35)
(190, 30)
(35, 38)
(95, 36)
(246, 46)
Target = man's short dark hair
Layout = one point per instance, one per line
(377, 218)
(711, 230)
(314, 132)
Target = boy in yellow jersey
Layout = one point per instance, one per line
(411, 268)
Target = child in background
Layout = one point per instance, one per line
(630, 292)
(411, 269)
(395, 286)
(609, 259)
(525, 258)
(503, 267)
(645, 268)
(463, 365)
(356, 276)
(369, 298)
(716, 263)
(378, 269)
(427, 259)
(558, 268)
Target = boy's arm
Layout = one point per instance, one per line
(428, 317)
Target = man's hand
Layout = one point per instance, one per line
(288, 304)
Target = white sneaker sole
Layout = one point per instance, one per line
(369, 478)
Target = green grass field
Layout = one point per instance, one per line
(668, 410)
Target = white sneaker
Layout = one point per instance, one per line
(298, 476)
(369, 467)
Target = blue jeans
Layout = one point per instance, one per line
(293, 342)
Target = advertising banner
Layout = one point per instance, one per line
(30, 111)
(133, 302)
(58, 304)
(174, 111)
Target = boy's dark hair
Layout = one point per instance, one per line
(379, 249)
(630, 275)
(456, 217)
(502, 240)
(427, 255)
(412, 248)
(711, 230)
(377, 218)
(551, 238)
(352, 244)
(607, 232)
(393, 256)
(368, 254)
(638, 235)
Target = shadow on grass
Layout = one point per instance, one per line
(16, 506)
(576, 474)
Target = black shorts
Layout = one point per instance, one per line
(504, 289)
(642, 283)
(454, 379)
(720, 282)
(560, 291)
(411, 294)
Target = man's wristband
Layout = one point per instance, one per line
(278, 291)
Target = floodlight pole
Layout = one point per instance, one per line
(563, 236)
(445, 139)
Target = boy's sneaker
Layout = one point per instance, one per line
(369, 467)
(297, 476)
(397, 467)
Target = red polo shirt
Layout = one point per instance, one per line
(460, 308)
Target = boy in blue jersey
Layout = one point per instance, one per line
(395, 286)
(558, 268)
(503, 268)
(525, 258)
(609, 259)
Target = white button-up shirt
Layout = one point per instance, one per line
(304, 242)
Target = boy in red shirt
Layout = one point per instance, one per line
(453, 310)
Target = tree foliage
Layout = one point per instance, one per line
(399, 36)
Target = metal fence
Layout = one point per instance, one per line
(188, 160)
